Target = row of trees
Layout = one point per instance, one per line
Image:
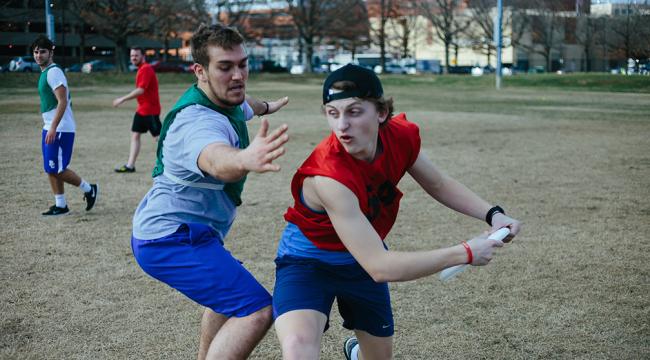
(539, 27)
(119, 19)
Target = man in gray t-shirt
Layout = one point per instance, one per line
(204, 155)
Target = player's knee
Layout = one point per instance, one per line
(262, 318)
(300, 346)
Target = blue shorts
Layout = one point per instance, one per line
(57, 155)
(193, 261)
(308, 284)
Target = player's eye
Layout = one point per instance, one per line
(355, 112)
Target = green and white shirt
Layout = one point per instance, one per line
(51, 78)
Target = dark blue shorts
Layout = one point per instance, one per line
(57, 155)
(193, 261)
(308, 284)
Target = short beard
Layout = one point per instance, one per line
(225, 102)
(46, 62)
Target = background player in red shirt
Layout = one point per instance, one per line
(345, 202)
(147, 114)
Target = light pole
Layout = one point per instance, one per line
(49, 21)
(498, 40)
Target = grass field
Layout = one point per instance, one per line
(571, 162)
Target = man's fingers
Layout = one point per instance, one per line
(497, 243)
(277, 132)
(270, 167)
(278, 142)
(274, 154)
(264, 128)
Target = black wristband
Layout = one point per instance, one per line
(265, 111)
(491, 212)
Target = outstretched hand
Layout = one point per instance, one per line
(265, 147)
(277, 104)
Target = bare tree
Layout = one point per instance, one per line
(174, 16)
(544, 21)
(588, 28)
(481, 31)
(383, 10)
(631, 30)
(403, 24)
(12, 9)
(444, 17)
(119, 19)
(316, 20)
(236, 14)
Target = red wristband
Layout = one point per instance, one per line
(470, 256)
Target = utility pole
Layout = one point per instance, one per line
(49, 21)
(498, 40)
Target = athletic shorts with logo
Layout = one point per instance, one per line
(309, 284)
(57, 155)
(143, 123)
(193, 261)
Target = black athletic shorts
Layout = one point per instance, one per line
(144, 123)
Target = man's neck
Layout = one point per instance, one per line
(43, 67)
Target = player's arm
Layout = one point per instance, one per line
(457, 196)
(363, 242)
(230, 164)
(261, 107)
(132, 95)
(62, 103)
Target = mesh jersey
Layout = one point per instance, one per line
(51, 78)
(374, 184)
(149, 101)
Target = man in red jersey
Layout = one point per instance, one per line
(147, 115)
(346, 201)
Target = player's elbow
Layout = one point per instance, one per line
(381, 271)
(380, 276)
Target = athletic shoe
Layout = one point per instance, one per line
(125, 169)
(91, 196)
(348, 346)
(55, 210)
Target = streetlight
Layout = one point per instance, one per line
(498, 40)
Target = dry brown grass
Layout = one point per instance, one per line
(573, 166)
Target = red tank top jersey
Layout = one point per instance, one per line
(148, 102)
(374, 184)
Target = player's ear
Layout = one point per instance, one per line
(382, 115)
(201, 72)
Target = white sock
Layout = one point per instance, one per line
(85, 186)
(59, 200)
(354, 354)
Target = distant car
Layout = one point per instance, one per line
(477, 71)
(296, 69)
(459, 70)
(273, 67)
(170, 66)
(24, 64)
(73, 68)
(97, 66)
(391, 68)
